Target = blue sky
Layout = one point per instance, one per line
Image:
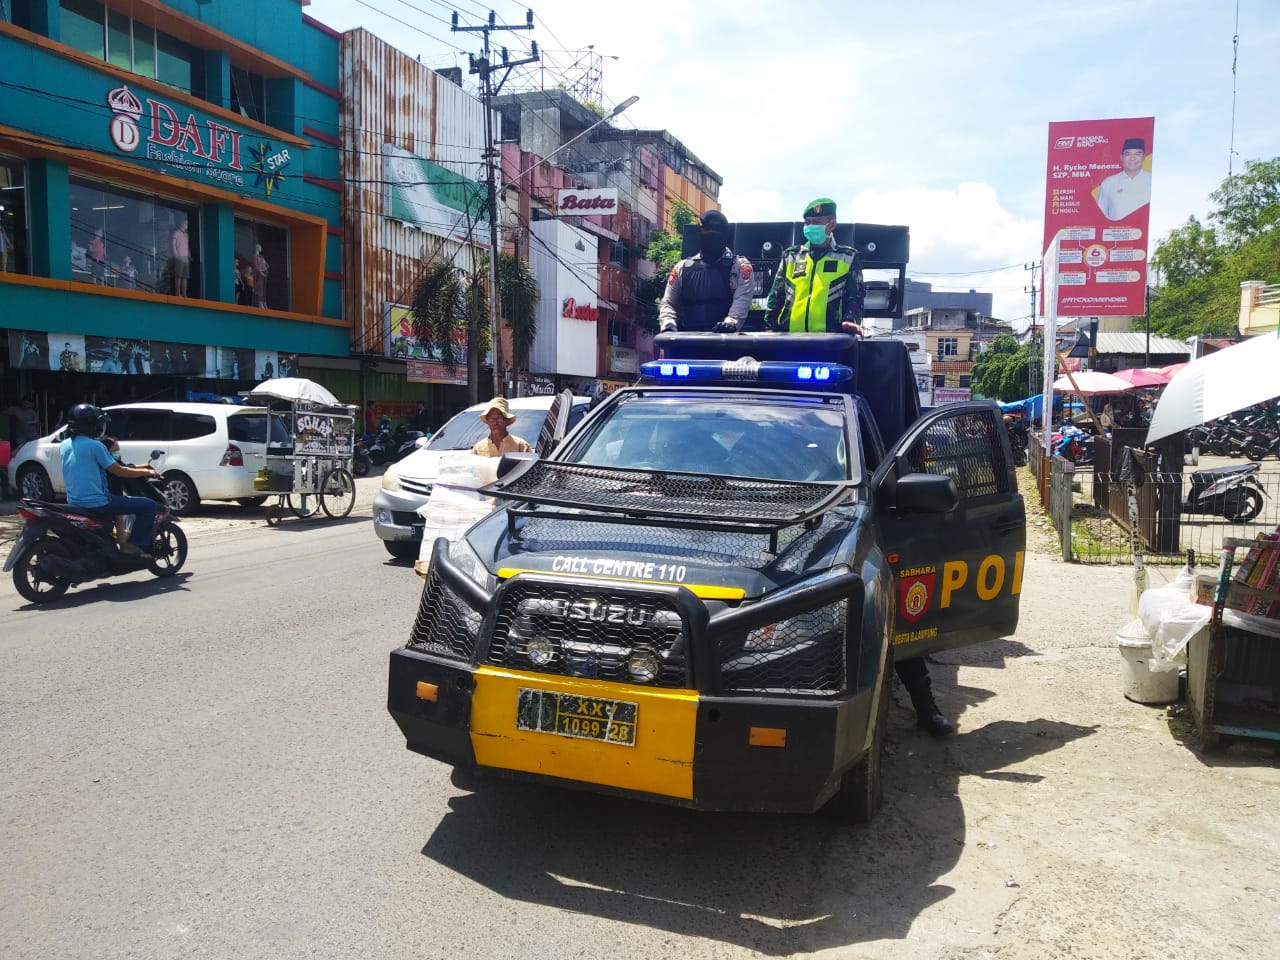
(930, 113)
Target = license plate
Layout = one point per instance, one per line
(583, 718)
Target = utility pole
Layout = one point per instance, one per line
(1032, 376)
(484, 67)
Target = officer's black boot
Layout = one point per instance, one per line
(928, 716)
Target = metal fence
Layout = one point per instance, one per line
(1089, 509)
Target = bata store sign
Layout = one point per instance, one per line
(198, 146)
(587, 203)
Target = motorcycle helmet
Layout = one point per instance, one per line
(87, 420)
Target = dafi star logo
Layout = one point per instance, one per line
(269, 165)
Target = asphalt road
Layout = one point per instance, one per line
(204, 767)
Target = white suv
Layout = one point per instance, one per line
(209, 451)
(407, 484)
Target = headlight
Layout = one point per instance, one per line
(824, 623)
(390, 479)
(468, 561)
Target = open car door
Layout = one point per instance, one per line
(556, 425)
(957, 560)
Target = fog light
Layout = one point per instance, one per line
(540, 651)
(383, 517)
(644, 666)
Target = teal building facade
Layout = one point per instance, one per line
(170, 199)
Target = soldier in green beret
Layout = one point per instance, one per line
(818, 287)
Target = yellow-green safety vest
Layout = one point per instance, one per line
(811, 282)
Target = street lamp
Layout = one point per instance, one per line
(493, 234)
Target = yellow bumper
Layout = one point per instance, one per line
(660, 762)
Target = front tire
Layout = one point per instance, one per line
(34, 483)
(338, 493)
(37, 587)
(862, 789)
(168, 550)
(251, 501)
(180, 493)
(402, 550)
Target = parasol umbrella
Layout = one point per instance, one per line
(1221, 383)
(1143, 377)
(1172, 368)
(295, 389)
(1091, 381)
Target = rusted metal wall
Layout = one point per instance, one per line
(389, 97)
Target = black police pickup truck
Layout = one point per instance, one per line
(697, 597)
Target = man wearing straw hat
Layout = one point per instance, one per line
(497, 414)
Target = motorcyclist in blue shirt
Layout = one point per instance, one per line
(85, 464)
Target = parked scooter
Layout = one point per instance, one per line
(382, 444)
(62, 546)
(1230, 492)
(361, 464)
(406, 440)
(1074, 444)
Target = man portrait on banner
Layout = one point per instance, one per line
(1122, 193)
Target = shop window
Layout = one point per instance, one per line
(134, 241)
(119, 40)
(262, 265)
(175, 62)
(81, 26)
(248, 94)
(13, 216)
(130, 45)
(964, 379)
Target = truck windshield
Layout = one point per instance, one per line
(774, 438)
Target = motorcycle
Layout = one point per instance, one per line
(382, 444)
(62, 546)
(405, 441)
(1018, 440)
(361, 463)
(1074, 444)
(1230, 492)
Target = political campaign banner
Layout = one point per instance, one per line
(1097, 203)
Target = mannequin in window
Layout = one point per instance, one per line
(97, 256)
(181, 259)
(6, 249)
(260, 270)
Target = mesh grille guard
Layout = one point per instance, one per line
(623, 495)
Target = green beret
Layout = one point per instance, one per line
(822, 207)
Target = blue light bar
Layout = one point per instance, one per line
(746, 370)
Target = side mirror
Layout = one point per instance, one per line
(924, 493)
(511, 462)
(422, 441)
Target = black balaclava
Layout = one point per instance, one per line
(713, 236)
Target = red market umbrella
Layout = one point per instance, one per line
(1171, 369)
(1089, 382)
(1143, 377)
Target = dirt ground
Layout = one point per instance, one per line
(1064, 820)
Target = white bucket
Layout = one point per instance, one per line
(1138, 681)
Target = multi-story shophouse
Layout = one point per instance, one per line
(169, 198)
(413, 167)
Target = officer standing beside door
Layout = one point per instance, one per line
(818, 287)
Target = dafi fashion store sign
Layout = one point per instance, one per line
(154, 129)
(425, 195)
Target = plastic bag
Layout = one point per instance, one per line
(1172, 619)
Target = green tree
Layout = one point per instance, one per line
(1199, 269)
(518, 300)
(450, 305)
(1000, 372)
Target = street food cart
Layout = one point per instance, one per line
(309, 449)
